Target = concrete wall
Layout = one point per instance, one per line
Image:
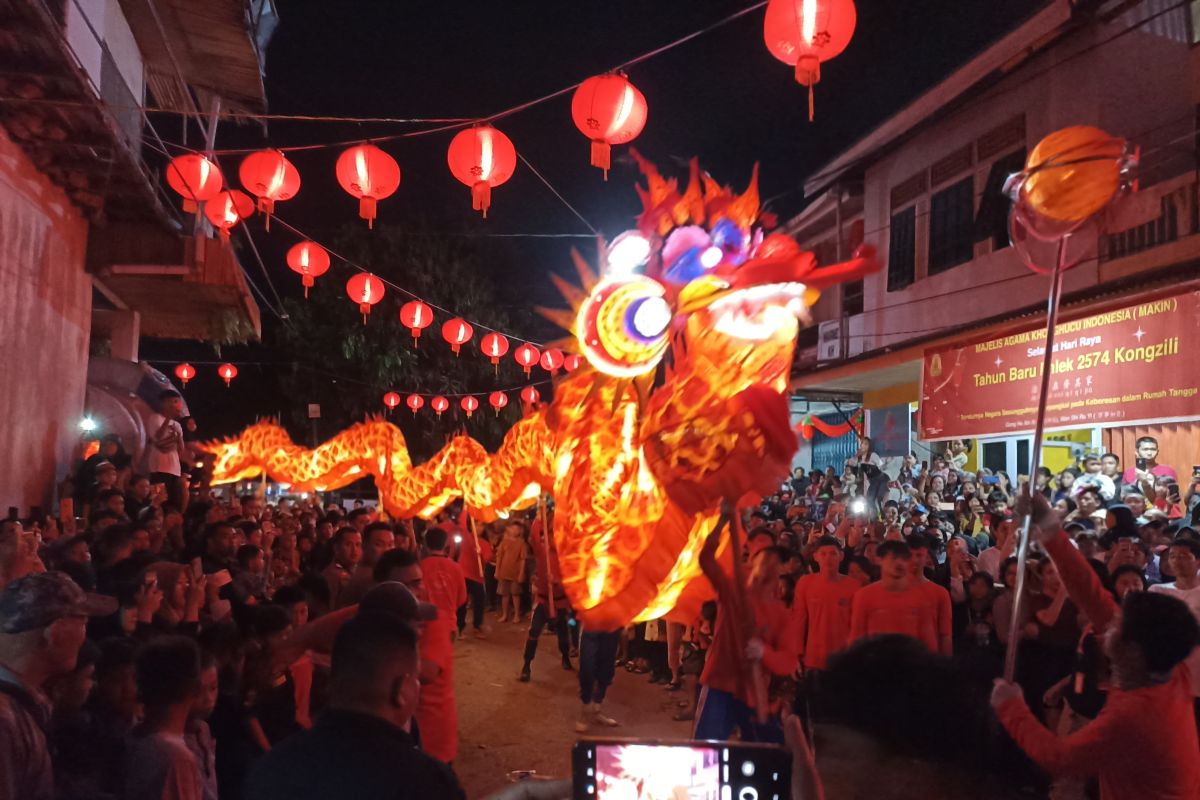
(88, 19)
(45, 318)
(1139, 86)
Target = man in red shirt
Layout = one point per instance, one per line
(1143, 744)
(759, 630)
(896, 605)
(547, 583)
(937, 596)
(821, 607)
(446, 588)
(473, 553)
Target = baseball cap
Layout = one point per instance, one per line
(36, 601)
(103, 465)
(393, 597)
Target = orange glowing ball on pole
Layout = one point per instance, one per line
(494, 346)
(527, 355)
(470, 405)
(366, 290)
(195, 178)
(415, 403)
(368, 173)
(310, 260)
(803, 33)
(391, 400)
(498, 400)
(482, 158)
(439, 404)
(227, 209)
(457, 332)
(269, 176)
(185, 372)
(228, 372)
(552, 360)
(416, 316)
(609, 110)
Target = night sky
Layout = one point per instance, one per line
(721, 97)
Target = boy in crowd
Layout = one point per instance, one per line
(166, 452)
(895, 605)
(446, 588)
(821, 607)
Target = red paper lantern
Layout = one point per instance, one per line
(195, 178)
(498, 400)
(269, 176)
(530, 395)
(482, 158)
(572, 362)
(527, 355)
(227, 209)
(470, 405)
(228, 372)
(552, 360)
(803, 33)
(494, 346)
(416, 316)
(310, 260)
(369, 174)
(366, 290)
(415, 402)
(185, 372)
(391, 400)
(609, 110)
(457, 332)
(439, 404)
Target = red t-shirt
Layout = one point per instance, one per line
(437, 712)
(821, 614)
(472, 563)
(921, 611)
(773, 624)
(444, 584)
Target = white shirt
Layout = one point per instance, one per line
(162, 451)
(1192, 598)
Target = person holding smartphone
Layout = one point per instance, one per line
(1146, 467)
(166, 452)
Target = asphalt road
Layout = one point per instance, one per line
(506, 726)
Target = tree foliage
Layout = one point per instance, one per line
(347, 366)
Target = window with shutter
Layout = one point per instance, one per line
(902, 249)
(951, 226)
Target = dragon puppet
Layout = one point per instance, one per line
(687, 336)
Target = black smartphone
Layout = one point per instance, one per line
(1140, 463)
(608, 769)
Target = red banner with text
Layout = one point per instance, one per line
(1121, 367)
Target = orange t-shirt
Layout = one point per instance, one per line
(918, 611)
(821, 616)
(444, 584)
(773, 625)
(437, 712)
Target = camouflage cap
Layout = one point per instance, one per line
(38, 600)
(395, 598)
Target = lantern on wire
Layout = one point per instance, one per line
(530, 395)
(469, 404)
(457, 332)
(416, 316)
(269, 176)
(494, 345)
(415, 402)
(391, 400)
(439, 404)
(195, 179)
(572, 362)
(368, 173)
(498, 400)
(310, 260)
(366, 290)
(803, 33)
(609, 110)
(527, 355)
(552, 360)
(227, 372)
(185, 372)
(228, 208)
(482, 158)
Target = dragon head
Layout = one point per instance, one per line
(702, 270)
(238, 459)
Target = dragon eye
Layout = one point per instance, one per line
(623, 325)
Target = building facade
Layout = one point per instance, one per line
(925, 189)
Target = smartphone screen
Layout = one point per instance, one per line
(614, 770)
(1140, 463)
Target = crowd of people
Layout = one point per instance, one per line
(169, 645)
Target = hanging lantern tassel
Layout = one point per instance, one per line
(307, 281)
(481, 196)
(602, 155)
(367, 205)
(808, 73)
